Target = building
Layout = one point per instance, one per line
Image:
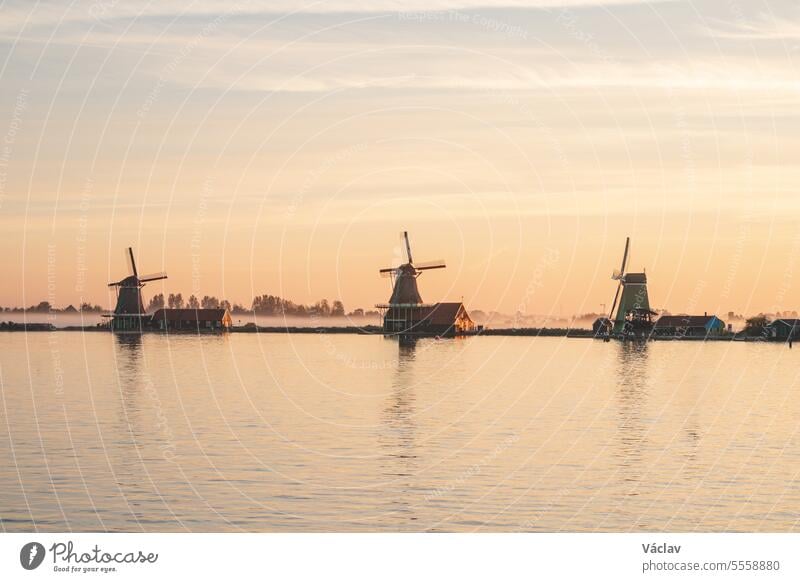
(448, 319)
(442, 319)
(601, 326)
(784, 329)
(698, 326)
(191, 320)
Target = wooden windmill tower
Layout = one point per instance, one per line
(129, 312)
(633, 317)
(405, 307)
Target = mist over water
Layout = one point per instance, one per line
(263, 432)
(60, 320)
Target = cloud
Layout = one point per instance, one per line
(17, 15)
(765, 27)
(334, 68)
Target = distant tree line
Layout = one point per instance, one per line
(274, 305)
(176, 301)
(45, 307)
(268, 305)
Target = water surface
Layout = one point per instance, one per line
(248, 432)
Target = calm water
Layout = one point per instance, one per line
(340, 433)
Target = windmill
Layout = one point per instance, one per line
(130, 307)
(404, 307)
(634, 316)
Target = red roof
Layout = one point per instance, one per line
(436, 314)
(444, 313)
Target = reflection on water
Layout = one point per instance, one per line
(397, 437)
(131, 470)
(632, 381)
(357, 433)
(632, 374)
(128, 342)
(128, 358)
(128, 354)
(399, 411)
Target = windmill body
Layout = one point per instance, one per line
(634, 303)
(129, 297)
(129, 313)
(405, 290)
(633, 316)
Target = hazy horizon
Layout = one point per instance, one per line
(282, 148)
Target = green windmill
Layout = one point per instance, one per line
(633, 318)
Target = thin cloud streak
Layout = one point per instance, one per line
(767, 28)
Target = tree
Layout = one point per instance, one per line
(756, 326)
(156, 303)
(225, 304)
(193, 302)
(209, 302)
(337, 310)
(263, 304)
(175, 301)
(321, 308)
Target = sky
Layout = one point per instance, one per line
(282, 147)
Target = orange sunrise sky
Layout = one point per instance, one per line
(282, 147)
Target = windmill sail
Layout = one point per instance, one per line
(408, 248)
(153, 277)
(132, 263)
(625, 255)
(616, 298)
(439, 264)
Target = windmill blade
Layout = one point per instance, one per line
(117, 284)
(386, 273)
(132, 263)
(614, 305)
(388, 270)
(431, 265)
(408, 247)
(625, 255)
(153, 277)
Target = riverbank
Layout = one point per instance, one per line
(375, 330)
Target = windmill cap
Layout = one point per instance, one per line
(635, 278)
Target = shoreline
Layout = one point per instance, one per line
(581, 333)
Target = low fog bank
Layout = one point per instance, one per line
(55, 318)
(279, 321)
(61, 320)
